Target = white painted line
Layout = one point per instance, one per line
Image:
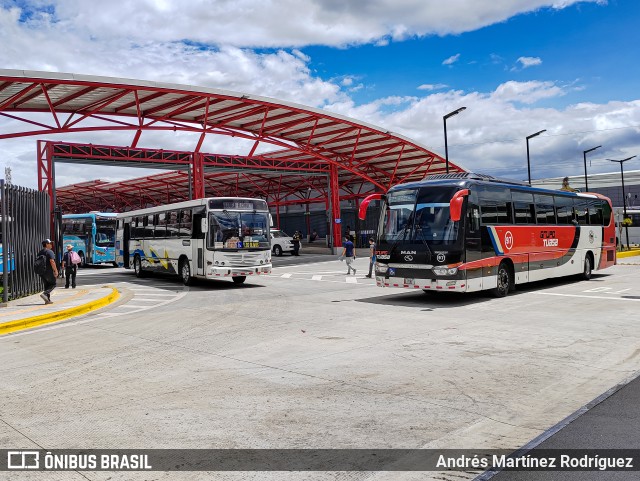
(286, 276)
(136, 298)
(587, 297)
(316, 278)
(170, 293)
(129, 306)
(351, 280)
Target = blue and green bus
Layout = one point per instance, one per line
(92, 236)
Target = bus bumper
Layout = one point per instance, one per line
(214, 272)
(444, 284)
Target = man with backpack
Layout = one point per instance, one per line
(70, 261)
(45, 267)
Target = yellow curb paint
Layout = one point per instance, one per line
(79, 293)
(631, 253)
(29, 322)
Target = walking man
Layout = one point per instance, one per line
(349, 253)
(51, 270)
(372, 256)
(70, 267)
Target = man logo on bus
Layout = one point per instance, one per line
(508, 240)
(592, 236)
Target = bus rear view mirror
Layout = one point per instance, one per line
(455, 204)
(362, 213)
(203, 225)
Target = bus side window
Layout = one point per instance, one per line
(185, 223)
(473, 219)
(606, 212)
(582, 211)
(523, 207)
(595, 212)
(564, 209)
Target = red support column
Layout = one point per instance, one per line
(334, 193)
(197, 172)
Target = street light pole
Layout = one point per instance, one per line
(446, 147)
(624, 196)
(584, 154)
(528, 160)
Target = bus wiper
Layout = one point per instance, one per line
(424, 241)
(404, 235)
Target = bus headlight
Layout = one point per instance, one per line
(445, 271)
(382, 268)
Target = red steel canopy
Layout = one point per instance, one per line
(305, 139)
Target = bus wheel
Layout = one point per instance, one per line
(277, 250)
(137, 266)
(588, 267)
(185, 272)
(239, 279)
(83, 260)
(504, 280)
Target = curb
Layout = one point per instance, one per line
(34, 321)
(631, 253)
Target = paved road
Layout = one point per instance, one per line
(309, 357)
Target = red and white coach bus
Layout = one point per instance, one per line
(470, 232)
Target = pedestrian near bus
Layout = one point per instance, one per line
(51, 271)
(372, 256)
(349, 253)
(70, 268)
(295, 240)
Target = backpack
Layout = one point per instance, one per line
(74, 258)
(40, 265)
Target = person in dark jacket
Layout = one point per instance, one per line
(51, 272)
(295, 240)
(70, 269)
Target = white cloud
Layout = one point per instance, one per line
(526, 92)
(282, 23)
(529, 61)
(432, 86)
(451, 60)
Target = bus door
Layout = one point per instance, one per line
(197, 244)
(126, 235)
(473, 243)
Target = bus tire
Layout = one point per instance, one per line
(587, 268)
(83, 259)
(185, 272)
(239, 279)
(137, 266)
(505, 280)
(277, 250)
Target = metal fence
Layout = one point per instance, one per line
(25, 223)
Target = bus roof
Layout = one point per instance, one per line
(466, 180)
(178, 205)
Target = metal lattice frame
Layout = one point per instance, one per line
(363, 153)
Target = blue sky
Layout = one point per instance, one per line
(591, 45)
(519, 66)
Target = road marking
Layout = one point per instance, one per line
(587, 297)
(351, 280)
(286, 276)
(316, 278)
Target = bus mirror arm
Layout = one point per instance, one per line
(362, 212)
(455, 204)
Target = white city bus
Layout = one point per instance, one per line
(205, 238)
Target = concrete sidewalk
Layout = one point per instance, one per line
(31, 311)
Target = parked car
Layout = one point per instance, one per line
(281, 242)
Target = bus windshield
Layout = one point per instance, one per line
(419, 216)
(105, 233)
(239, 230)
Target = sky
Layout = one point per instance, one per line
(571, 67)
